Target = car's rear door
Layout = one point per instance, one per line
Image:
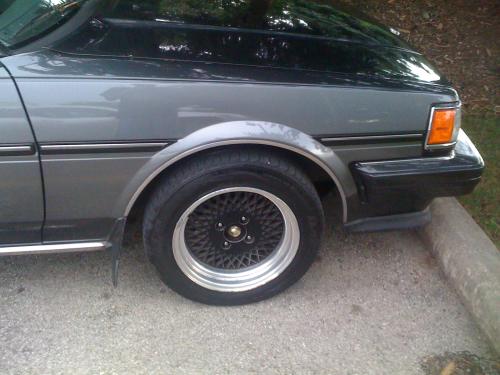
(21, 193)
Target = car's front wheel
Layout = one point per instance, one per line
(233, 227)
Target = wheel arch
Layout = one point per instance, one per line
(240, 133)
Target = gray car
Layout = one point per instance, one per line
(221, 123)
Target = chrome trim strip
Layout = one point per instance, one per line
(102, 147)
(397, 161)
(440, 146)
(240, 142)
(53, 248)
(17, 150)
(416, 136)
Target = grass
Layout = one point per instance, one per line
(484, 203)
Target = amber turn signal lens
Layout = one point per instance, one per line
(442, 126)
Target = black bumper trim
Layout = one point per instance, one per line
(402, 186)
(428, 177)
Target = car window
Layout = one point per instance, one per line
(22, 21)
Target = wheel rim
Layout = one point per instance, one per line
(235, 239)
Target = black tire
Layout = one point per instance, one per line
(223, 169)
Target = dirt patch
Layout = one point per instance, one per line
(460, 37)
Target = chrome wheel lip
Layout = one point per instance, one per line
(238, 280)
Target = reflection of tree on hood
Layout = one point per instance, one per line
(22, 20)
(259, 33)
(297, 16)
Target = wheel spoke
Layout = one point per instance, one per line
(202, 241)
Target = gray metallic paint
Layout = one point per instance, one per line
(84, 193)
(81, 192)
(105, 110)
(21, 194)
(80, 102)
(87, 192)
(99, 107)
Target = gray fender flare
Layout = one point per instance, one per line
(240, 132)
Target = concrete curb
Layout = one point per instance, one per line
(470, 261)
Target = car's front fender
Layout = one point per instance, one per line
(233, 133)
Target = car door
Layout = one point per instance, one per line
(21, 193)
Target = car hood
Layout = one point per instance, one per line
(299, 17)
(287, 34)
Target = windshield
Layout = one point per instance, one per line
(22, 21)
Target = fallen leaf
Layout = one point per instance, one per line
(449, 369)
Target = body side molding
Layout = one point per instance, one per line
(17, 149)
(370, 139)
(107, 147)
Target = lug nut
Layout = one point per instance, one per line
(219, 226)
(226, 245)
(234, 231)
(244, 220)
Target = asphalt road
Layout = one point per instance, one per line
(371, 304)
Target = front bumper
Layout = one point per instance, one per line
(405, 186)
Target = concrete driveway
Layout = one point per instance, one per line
(371, 304)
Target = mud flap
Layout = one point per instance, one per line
(116, 240)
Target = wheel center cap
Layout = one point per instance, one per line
(234, 231)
